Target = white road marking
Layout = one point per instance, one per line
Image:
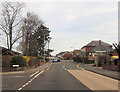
(78, 66)
(23, 86)
(33, 74)
(64, 68)
(38, 74)
(19, 88)
(30, 80)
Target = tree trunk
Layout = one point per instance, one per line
(10, 35)
(7, 41)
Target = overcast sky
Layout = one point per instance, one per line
(73, 24)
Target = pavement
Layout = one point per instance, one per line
(65, 75)
(99, 70)
(95, 81)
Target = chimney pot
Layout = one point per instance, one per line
(99, 42)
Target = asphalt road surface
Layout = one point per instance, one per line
(56, 77)
(64, 75)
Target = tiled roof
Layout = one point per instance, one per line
(97, 42)
(5, 49)
(102, 48)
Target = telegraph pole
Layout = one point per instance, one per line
(25, 41)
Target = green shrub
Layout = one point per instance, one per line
(99, 65)
(18, 60)
(77, 59)
(40, 57)
(109, 62)
(47, 59)
(105, 62)
(115, 61)
(87, 61)
(32, 62)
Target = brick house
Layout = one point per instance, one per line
(76, 52)
(60, 55)
(115, 53)
(5, 51)
(96, 46)
(67, 56)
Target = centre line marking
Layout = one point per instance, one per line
(38, 74)
(30, 80)
(19, 88)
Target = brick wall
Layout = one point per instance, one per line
(6, 60)
(111, 66)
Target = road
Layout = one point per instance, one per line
(65, 75)
(56, 78)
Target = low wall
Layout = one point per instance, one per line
(6, 63)
(99, 59)
(32, 62)
(106, 63)
(6, 60)
(111, 66)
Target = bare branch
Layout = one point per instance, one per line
(16, 39)
(10, 21)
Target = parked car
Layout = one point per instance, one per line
(56, 60)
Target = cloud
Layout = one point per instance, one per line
(109, 27)
(42, 8)
(74, 24)
(74, 11)
(62, 0)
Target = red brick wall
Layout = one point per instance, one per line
(115, 53)
(111, 67)
(6, 62)
(67, 56)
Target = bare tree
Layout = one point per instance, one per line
(32, 22)
(11, 21)
(36, 35)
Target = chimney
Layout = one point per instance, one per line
(99, 42)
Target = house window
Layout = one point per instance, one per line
(90, 54)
